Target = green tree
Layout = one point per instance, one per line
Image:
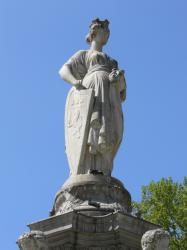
(165, 203)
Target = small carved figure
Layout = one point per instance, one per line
(100, 126)
(155, 240)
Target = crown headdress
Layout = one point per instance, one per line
(97, 22)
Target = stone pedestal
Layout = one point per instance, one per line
(84, 230)
(83, 191)
(90, 212)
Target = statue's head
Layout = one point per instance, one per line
(99, 31)
(155, 240)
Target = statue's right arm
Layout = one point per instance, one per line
(66, 74)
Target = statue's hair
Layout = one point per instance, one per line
(151, 237)
(94, 26)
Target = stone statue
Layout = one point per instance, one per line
(155, 240)
(93, 117)
(34, 240)
(91, 211)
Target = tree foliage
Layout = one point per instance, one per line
(165, 203)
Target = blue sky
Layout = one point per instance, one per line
(149, 40)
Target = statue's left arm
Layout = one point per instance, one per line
(117, 77)
(122, 86)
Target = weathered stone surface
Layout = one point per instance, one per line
(34, 240)
(87, 191)
(93, 229)
(157, 239)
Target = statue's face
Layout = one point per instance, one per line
(102, 35)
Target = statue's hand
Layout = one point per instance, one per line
(78, 85)
(115, 75)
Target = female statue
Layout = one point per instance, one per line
(94, 70)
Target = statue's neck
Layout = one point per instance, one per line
(96, 46)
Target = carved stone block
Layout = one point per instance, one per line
(91, 229)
